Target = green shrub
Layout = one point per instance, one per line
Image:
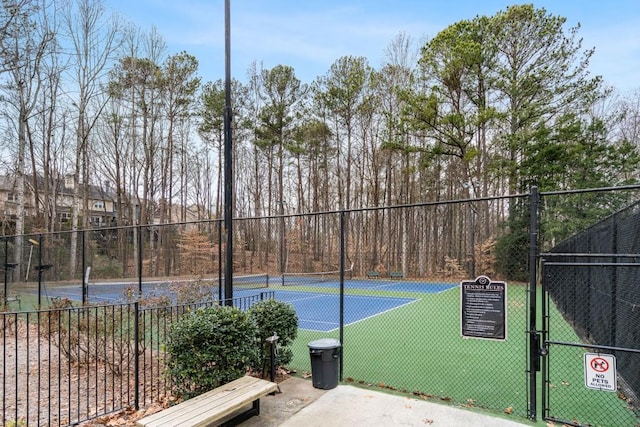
(209, 347)
(271, 316)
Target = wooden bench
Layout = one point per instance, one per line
(373, 275)
(215, 405)
(396, 274)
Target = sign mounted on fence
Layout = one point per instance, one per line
(483, 309)
(600, 371)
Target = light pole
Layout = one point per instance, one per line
(228, 162)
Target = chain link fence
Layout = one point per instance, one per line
(385, 282)
(591, 281)
(417, 256)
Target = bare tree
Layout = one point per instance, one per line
(179, 85)
(47, 144)
(27, 40)
(94, 39)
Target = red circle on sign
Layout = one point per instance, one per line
(599, 364)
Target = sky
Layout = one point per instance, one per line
(310, 35)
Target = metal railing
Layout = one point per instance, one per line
(63, 366)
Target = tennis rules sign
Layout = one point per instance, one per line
(483, 309)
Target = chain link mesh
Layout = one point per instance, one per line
(593, 313)
(419, 255)
(401, 268)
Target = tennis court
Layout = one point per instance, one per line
(368, 284)
(316, 299)
(116, 292)
(321, 312)
(243, 285)
(318, 309)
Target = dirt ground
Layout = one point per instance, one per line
(42, 386)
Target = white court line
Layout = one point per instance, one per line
(310, 297)
(376, 314)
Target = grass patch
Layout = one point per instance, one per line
(28, 302)
(418, 348)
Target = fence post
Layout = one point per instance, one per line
(614, 282)
(534, 337)
(136, 363)
(342, 264)
(5, 270)
(84, 267)
(140, 246)
(40, 269)
(219, 260)
(136, 326)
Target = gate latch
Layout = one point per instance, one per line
(540, 351)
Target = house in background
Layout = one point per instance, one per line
(102, 204)
(9, 202)
(101, 201)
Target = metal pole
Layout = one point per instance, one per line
(84, 267)
(136, 360)
(473, 241)
(283, 245)
(534, 337)
(219, 260)
(228, 162)
(6, 270)
(342, 266)
(614, 282)
(140, 246)
(39, 272)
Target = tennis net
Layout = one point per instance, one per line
(250, 281)
(301, 279)
(201, 287)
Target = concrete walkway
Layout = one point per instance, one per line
(300, 404)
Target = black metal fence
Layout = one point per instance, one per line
(66, 365)
(386, 284)
(418, 255)
(593, 281)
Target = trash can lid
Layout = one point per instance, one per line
(324, 343)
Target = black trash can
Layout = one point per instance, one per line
(325, 362)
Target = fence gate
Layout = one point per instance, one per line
(591, 339)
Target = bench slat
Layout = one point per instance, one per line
(212, 405)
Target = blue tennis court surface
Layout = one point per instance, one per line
(321, 312)
(376, 285)
(317, 311)
(108, 292)
(115, 292)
